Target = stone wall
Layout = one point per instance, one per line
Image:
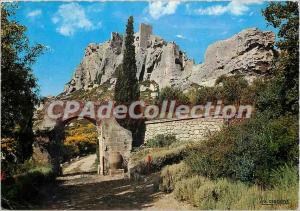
(184, 129)
(114, 139)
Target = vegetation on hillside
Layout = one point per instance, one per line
(251, 164)
(251, 150)
(230, 90)
(161, 141)
(170, 93)
(103, 92)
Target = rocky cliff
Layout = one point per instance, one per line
(249, 52)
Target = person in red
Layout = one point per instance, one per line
(2, 176)
(149, 159)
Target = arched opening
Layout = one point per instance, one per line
(80, 147)
(70, 139)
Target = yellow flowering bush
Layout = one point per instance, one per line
(81, 138)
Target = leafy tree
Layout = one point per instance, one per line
(127, 88)
(285, 17)
(18, 87)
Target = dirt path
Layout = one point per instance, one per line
(94, 192)
(85, 164)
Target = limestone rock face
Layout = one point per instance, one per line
(156, 59)
(98, 64)
(249, 52)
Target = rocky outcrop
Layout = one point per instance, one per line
(98, 65)
(156, 59)
(249, 52)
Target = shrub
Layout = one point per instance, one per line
(220, 194)
(233, 88)
(284, 177)
(223, 194)
(185, 189)
(252, 93)
(170, 175)
(208, 158)
(256, 198)
(248, 151)
(230, 89)
(69, 151)
(263, 149)
(207, 94)
(170, 93)
(81, 139)
(161, 141)
(209, 194)
(23, 167)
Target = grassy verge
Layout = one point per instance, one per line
(160, 157)
(223, 193)
(20, 190)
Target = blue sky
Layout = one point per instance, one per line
(66, 28)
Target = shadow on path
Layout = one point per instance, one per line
(80, 173)
(113, 194)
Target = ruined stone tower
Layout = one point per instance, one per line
(145, 32)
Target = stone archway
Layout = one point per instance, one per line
(115, 142)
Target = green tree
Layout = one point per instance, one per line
(127, 88)
(285, 17)
(18, 87)
(233, 88)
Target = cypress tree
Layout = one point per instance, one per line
(127, 88)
